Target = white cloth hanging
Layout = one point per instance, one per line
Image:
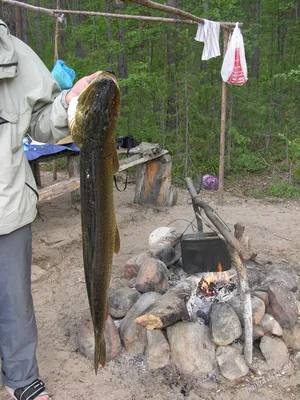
(209, 33)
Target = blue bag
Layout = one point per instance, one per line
(63, 75)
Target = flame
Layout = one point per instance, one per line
(223, 276)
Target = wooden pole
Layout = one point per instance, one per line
(56, 41)
(192, 19)
(223, 128)
(18, 17)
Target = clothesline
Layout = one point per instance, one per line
(59, 13)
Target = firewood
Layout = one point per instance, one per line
(168, 309)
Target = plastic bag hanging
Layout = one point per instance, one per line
(234, 68)
(63, 75)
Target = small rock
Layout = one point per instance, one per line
(131, 283)
(291, 336)
(257, 333)
(275, 352)
(224, 324)
(258, 310)
(263, 296)
(134, 336)
(238, 346)
(193, 351)
(282, 304)
(283, 274)
(231, 363)
(132, 266)
(38, 274)
(121, 300)
(152, 277)
(164, 252)
(270, 325)
(256, 273)
(86, 340)
(164, 235)
(158, 352)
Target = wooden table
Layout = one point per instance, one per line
(153, 185)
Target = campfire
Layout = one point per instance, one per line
(204, 319)
(212, 282)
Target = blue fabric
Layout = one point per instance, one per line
(35, 151)
(63, 75)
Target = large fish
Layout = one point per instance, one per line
(92, 129)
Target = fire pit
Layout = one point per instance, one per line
(201, 321)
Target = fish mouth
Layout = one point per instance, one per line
(110, 71)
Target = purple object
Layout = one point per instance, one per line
(210, 182)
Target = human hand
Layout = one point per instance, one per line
(80, 85)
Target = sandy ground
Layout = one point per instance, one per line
(60, 298)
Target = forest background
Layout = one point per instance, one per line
(171, 97)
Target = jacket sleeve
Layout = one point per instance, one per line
(49, 119)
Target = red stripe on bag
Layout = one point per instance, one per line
(237, 76)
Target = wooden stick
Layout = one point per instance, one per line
(56, 41)
(55, 12)
(177, 11)
(241, 249)
(223, 128)
(59, 189)
(236, 250)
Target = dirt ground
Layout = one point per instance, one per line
(60, 298)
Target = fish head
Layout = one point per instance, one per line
(97, 110)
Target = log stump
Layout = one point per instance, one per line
(154, 186)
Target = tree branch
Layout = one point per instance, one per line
(177, 11)
(57, 12)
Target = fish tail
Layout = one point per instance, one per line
(100, 353)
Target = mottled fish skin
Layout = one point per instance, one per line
(93, 130)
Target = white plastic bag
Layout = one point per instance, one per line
(234, 68)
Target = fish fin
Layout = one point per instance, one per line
(117, 241)
(100, 353)
(115, 162)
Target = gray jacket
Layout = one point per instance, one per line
(30, 102)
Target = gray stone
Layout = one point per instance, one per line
(256, 273)
(291, 336)
(121, 300)
(263, 296)
(86, 340)
(283, 274)
(164, 235)
(258, 310)
(282, 304)
(158, 352)
(193, 351)
(270, 325)
(257, 333)
(231, 362)
(164, 252)
(38, 274)
(224, 324)
(134, 336)
(275, 352)
(152, 277)
(132, 266)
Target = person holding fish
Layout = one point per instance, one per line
(30, 102)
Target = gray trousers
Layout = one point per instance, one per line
(18, 333)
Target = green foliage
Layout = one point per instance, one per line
(284, 189)
(172, 97)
